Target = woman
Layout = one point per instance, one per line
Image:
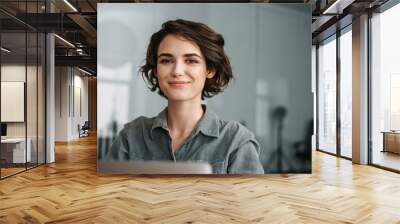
(185, 63)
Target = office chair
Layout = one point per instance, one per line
(84, 130)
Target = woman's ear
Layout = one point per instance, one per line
(210, 74)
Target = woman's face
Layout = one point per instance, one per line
(181, 69)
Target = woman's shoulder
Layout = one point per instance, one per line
(238, 135)
(236, 129)
(138, 123)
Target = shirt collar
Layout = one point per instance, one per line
(208, 124)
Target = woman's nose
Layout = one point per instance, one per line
(179, 69)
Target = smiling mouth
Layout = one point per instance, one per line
(178, 83)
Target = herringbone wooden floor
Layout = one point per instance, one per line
(70, 191)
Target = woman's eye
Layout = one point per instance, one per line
(164, 61)
(191, 61)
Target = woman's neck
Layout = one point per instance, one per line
(182, 117)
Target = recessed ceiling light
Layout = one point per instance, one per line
(84, 71)
(5, 50)
(70, 5)
(337, 7)
(65, 41)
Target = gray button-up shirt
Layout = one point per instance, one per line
(227, 146)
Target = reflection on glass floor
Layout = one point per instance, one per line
(386, 159)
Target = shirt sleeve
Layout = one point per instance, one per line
(246, 159)
(119, 150)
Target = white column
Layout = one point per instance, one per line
(50, 100)
(50, 92)
(360, 90)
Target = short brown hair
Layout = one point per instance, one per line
(211, 45)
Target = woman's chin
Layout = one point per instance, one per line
(179, 97)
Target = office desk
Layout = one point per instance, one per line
(13, 150)
(391, 141)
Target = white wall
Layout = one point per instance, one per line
(69, 82)
(61, 103)
(79, 117)
(33, 126)
(12, 73)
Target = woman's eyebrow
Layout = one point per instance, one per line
(192, 55)
(185, 55)
(165, 55)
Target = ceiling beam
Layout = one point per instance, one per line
(85, 61)
(86, 27)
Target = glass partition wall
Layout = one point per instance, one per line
(334, 94)
(335, 108)
(13, 110)
(345, 61)
(327, 95)
(22, 88)
(385, 89)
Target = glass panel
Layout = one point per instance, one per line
(23, 88)
(32, 70)
(327, 96)
(314, 88)
(31, 100)
(41, 98)
(386, 89)
(13, 87)
(346, 94)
